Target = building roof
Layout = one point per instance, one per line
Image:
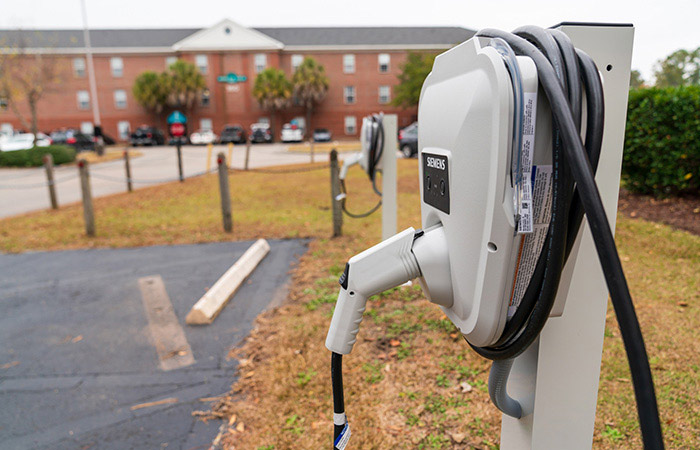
(288, 36)
(99, 38)
(348, 36)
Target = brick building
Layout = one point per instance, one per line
(362, 64)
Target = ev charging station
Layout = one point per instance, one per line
(556, 379)
(519, 135)
(378, 139)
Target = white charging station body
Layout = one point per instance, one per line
(465, 141)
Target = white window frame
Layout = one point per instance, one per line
(87, 128)
(349, 95)
(123, 129)
(385, 97)
(206, 123)
(384, 59)
(169, 61)
(83, 100)
(350, 125)
(349, 63)
(206, 94)
(202, 62)
(116, 65)
(264, 120)
(296, 61)
(79, 67)
(120, 99)
(260, 62)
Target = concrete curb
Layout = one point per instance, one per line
(213, 301)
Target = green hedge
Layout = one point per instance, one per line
(662, 141)
(33, 157)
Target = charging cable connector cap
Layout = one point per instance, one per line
(384, 266)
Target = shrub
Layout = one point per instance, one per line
(33, 157)
(662, 141)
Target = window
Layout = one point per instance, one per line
(265, 120)
(260, 62)
(79, 67)
(169, 61)
(384, 95)
(206, 98)
(202, 63)
(83, 100)
(349, 63)
(384, 60)
(87, 128)
(205, 124)
(349, 94)
(120, 99)
(117, 66)
(124, 130)
(350, 125)
(296, 61)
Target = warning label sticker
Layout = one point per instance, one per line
(525, 224)
(530, 245)
(342, 440)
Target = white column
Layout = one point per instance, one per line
(556, 380)
(389, 177)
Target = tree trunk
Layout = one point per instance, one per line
(35, 125)
(310, 133)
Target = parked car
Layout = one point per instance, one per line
(23, 141)
(233, 133)
(146, 135)
(203, 137)
(75, 138)
(408, 140)
(322, 135)
(291, 133)
(260, 132)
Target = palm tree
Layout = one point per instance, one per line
(151, 91)
(310, 88)
(272, 90)
(184, 85)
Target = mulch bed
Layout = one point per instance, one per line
(679, 212)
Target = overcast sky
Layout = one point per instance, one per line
(662, 26)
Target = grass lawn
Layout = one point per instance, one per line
(411, 381)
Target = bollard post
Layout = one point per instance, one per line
(230, 154)
(179, 160)
(247, 152)
(335, 192)
(127, 167)
(88, 212)
(225, 193)
(209, 149)
(48, 165)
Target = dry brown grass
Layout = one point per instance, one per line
(411, 382)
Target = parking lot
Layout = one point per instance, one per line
(82, 366)
(24, 190)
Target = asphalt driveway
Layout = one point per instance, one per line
(78, 366)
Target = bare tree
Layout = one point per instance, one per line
(25, 78)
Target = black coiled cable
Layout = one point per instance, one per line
(552, 53)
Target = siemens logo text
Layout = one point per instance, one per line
(435, 163)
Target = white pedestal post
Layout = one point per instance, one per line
(389, 177)
(556, 379)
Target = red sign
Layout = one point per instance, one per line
(177, 129)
